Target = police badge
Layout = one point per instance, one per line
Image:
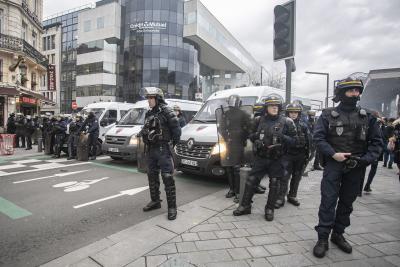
(339, 128)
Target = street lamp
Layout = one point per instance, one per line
(327, 84)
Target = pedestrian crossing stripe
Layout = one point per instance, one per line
(11, 210)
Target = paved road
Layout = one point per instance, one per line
(49, 207)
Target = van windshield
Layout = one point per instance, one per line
(207, 112)
(97, 111)
(133, 117)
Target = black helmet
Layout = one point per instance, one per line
(274, 100)
(293, 107)
(91, 115)
(342, 86)
(234, 101)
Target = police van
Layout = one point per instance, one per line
(121, 141)
(198, 149)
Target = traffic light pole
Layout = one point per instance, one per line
(288, 63)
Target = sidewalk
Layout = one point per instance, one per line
(206, 234)
(22, 153)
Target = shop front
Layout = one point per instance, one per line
(28, 105)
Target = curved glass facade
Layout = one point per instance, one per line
(154, 51)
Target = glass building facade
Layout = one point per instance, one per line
(68, 58)
(155, 53)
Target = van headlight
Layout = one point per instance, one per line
(219, 148)
(133, 140)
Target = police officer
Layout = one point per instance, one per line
(20, 130)
(43, 125)
(181, 118)
(11, 124)
(29, 130)
(296, 158)
(91, 126)
(348, 138)
(74, 127)
(59, 130)
(160, 129)
(272, 134)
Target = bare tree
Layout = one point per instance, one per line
(274, 78)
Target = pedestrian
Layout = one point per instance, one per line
(348, 138)
(91, 127)
(396, 151)
(161, 128)
(20, 130)
(272, 135)
(29, 130)
(296, 158)
(181, 118)
(11, 124)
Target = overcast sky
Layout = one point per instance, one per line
(335, 36)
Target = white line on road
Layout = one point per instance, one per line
(26, 161)
(11, 166)
(47, 168)
(129, 192)
(51, 176)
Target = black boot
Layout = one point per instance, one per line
(170, 191)
(367, 188)
(245, 207)
(154, 187)
(294, 187)
(338, 240)
(282, 190)
(259, 190)
(293, 200)
(272, 195)
(231, 192)
(321, 248)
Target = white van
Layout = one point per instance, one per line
(107, 113)
(121, 141)
(198, 151)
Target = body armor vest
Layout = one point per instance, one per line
(301, 134)
(270, 133)
(155, 129)
(348, 131)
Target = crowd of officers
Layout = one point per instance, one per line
(56, 133)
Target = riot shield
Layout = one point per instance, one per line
(233, 126)
(47, 143)
(82, 151)
(141, 155)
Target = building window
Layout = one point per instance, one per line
(100, 23)
(86, 26)
(53, 41)
(1, 20)
(44, 44)
(1, 70)
(24, 30)
(53, 60)
(33, 81)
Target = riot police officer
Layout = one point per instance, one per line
(160, 129)
(20, 130)
(74, 127)
(234, 125)
(272, 134)
(296, 158)
(29, 130)
(91, 126)
(59, 130)
(11, 124)
(348, 138)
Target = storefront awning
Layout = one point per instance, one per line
(31, 93)
(8, 91)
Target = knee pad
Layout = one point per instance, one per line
(168, 179)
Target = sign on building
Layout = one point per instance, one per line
(148, 27)
(51, 77)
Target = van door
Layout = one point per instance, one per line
(107, 121)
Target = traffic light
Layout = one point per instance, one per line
(284, 31)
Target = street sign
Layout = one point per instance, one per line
(74, 105)
(284, 31)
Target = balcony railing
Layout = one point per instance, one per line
(19, 45)
(31, 14)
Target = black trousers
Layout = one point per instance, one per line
(294, 166)
(92, 145)
(339, 189)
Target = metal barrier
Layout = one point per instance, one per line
(7, 144)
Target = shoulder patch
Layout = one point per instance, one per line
(334, 114)
(363, 112)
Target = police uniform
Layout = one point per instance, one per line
(271, 135)
(346, 128)
(29, 130)
(160, 129)
(59, 130)
(11, 124)
(20, 130)
(295, 159)
(73, 138)
(91, 126)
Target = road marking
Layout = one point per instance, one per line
(11, 210)
(129, 192)
(11, 166)
(134, 170)
(73, 186)
(26, 161)
(47, 168)
(51, 176)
